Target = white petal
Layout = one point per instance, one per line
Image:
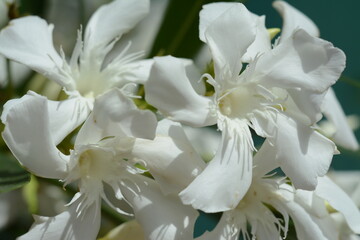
(340, 201)
(173, 219)
(316, 207)
(63, 116)
(116, 115)
(169, 90)
(301, 61)
(28, 135)
(28, 40)
(307, 107)
(306, 228)
(194, 75)
(349, 181)
(113, 20)
(303, 154)
(202, 57)
(262, 41)
(228, 37)
(209, 13)
(294, 19)
(205, 140)
(170, 157)
(140, 71)
(332, 110)
(225, 180)
(142, 36)
(265, 160)
(68, 225)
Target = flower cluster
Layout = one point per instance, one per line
(277, 91)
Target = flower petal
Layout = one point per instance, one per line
(115, 114)
(205, 140)
(194, 75)
(305, 227)
(63, 116)
(101, 28)
(316, 207)
(169, 90)
(117, 109)
(262, 42)
(140, 71)
(209, 13)
(28, 40)
(300, 147)
(265, 160)
(226, 179)
(348, 181)
(301, 61)
(142, 36)
(228, 37)
(68, 225)
(173, 219)
(332, 110)
(170, 157)
(28, 134)
(293, 19)
(305, 105)
(340, 201)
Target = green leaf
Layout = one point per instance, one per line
(12, 175)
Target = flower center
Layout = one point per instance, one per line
(97, 164)
(238, 102)
(96, 74)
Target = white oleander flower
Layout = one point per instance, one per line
(254, 217)
(279, 95)
(100, 155)
(115, 137)
(162, 217)
(90, 71)
(349, 182)
(331, 108)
